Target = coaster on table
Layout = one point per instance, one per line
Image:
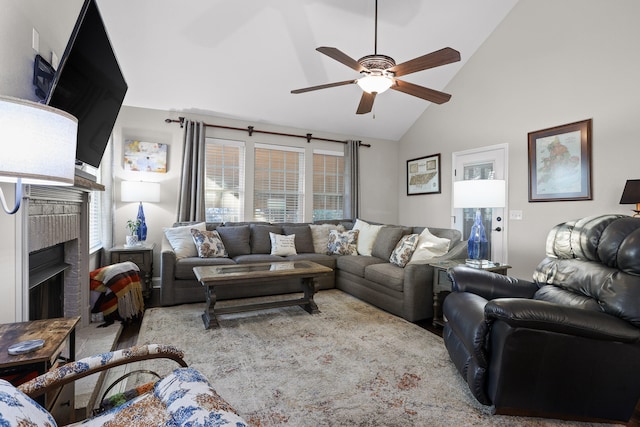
(25, 346)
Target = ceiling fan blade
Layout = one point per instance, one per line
(341, 57)
(424, 62)
(421, 92)
(325, 86)
(366, 102)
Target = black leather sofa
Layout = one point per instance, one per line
(566, 345)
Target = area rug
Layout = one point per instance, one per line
(350, 365)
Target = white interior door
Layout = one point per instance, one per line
(482, 163)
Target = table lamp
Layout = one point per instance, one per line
(476, 194)
(39, 146)
(631, 195)
(140, 191)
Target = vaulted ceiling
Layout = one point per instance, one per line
(241, 59)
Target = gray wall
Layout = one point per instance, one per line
(549, 63)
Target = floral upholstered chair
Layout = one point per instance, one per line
(183, 397)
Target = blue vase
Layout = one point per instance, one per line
(477, 244)
(142, 228)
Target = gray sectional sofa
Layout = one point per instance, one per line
(404, 291)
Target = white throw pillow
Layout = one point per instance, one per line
(181, 240)
(429, 246)
(283, 245)
(404, 250)
(320, 236)
(366, 236)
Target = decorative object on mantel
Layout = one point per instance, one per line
(43, 141)
(132, 238)
(140, 191)
(142, 156)
(379, 73)
(560, 163)
(476, 194)
(423, 175)
(631, 195)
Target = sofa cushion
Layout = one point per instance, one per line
(184, 266)
(366, 236)
(304, 239)
(386, 274)
(209, 244)
(387, 239)
(181, 240)
(430, 246)
(260, 240)
(236, 239)
(404, 249)
(356, 264)
(320, 236)
(343, 243)
(283, 245)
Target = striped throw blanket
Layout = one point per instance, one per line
(120, 291)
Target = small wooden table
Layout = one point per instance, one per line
(247, 274)
(142, 256)
(442, 283)
(55, 333)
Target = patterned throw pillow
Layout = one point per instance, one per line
(404, 249)
(283, 245)
(209, 244)
(343, 243)
(18, 409)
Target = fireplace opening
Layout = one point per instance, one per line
(46, 283)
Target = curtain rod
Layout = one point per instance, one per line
(252, 130)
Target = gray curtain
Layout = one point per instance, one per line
(352, 179)
(191, 196)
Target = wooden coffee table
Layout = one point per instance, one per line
(212, 277)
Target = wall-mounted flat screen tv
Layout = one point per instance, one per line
(89, 84)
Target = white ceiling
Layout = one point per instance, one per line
(240, 59)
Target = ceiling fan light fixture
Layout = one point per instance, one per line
(377, 83)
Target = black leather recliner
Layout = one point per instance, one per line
(566, 345)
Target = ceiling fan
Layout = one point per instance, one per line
(379, 73)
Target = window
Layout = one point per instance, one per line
(278, 184)
(224, 187)
(95, 213)
(328, 185)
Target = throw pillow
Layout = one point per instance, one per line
(236, 239)
(320, 236)
(343, 242)
(404, 249)
(18, 409)
(366, 237)
(304, 239)
(283, 245)
(181, 240)
(430, 246)
(209, 244)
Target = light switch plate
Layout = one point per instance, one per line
(515, 215)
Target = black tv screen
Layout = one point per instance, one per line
(89, 84)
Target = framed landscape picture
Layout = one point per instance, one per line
(560, 163)
(423, 175)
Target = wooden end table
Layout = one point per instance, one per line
(58, 335)
(142, 256)
(442, 284)
(212, 277)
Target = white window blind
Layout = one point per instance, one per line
(328, 185)
(224, 188)
(278, 184)
(95, 213)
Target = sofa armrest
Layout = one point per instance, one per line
(167, 272)
(73, 371)
(489, 285)
(547, 316)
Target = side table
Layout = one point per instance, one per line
(142, 256)
(59, 347)
(442, 284)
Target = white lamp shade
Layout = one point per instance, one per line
(374, 83)
(38, 143)
(140, 191)
(479, 193)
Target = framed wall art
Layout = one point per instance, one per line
(145, 156)
(423, 175)
(560, 163)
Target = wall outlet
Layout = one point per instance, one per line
(515, 215)
(35, 40)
